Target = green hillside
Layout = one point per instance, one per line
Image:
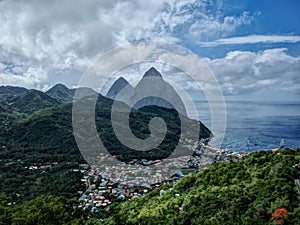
(32, 100)
(61, 93)
(7, 93)
(50, 130)
(37, 131)
(246, 192)
(259, 190)
(8, 116)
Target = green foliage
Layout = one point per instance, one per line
(61, 93)
(36, 130)
(139, 124)
(20, 183)
(42, 138)
(246, 192)
(32, 100)
(44, 210)
(8, 93)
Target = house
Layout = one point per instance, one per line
(162, 192)
(177, 175)
(84, 166)
(45, 167)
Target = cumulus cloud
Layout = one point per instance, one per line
(61, 34)
(33, 77)
(210, 28)
(242, 72)
(2, 67)
(45, 42)
(66, 34)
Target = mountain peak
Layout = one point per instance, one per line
(61, 93)
(121, 79)
(120, 82)
(33, 100)
(117, 86)
(152, 72)
(165, 95)
(58, 87)
(61, 86)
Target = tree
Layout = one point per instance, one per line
(41, 211)
(279, 216)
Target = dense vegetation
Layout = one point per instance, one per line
(31, 101)
(139, 123)
(259, 189)
(36, 132)
(41, 140)
(61, 93)
(44, 210)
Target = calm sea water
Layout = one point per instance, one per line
(257, 125)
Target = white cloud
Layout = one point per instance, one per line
(251, 39)
(60, 35)
(65, 33)
(2, 67)
(210, 28)
(50, 41)
(73, 34)
(242, 72)
(31, 78)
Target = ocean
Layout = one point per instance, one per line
(253, 126)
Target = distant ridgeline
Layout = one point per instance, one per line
(34, 121)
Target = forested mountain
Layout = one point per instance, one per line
(39, 156)
(36, 130)
(31, 101)
(61, 93)
(7, 93)
(151, 81)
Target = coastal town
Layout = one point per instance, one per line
(106, 185)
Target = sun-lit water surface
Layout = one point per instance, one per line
(257, 125)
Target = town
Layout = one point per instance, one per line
(106, 185)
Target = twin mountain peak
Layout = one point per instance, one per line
(152, 84)
(121, 83)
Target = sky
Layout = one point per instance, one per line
(252, 46)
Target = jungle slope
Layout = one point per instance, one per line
(259, 189)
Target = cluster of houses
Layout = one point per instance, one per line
(139, 172)
(101, 192)
(228, 156)
(108, 184)
(218, 155)
(204, 155)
